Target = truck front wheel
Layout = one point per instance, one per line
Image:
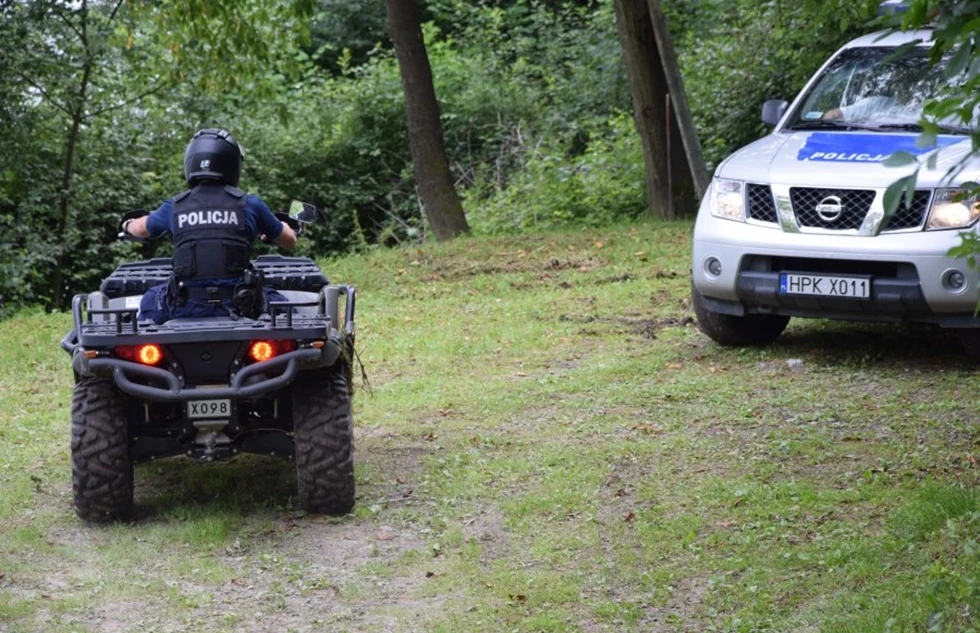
(737, 331)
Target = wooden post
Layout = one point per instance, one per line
(676, 174)
(692, 146)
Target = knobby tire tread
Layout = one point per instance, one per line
(101, 467)
(324, 435)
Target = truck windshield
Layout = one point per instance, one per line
(872, 88)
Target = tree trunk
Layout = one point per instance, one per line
(436, 189)
(671, 184)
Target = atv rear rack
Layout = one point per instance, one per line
(278, 272)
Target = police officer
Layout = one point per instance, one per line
(212, 225)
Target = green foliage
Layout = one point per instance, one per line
(345, 33)
(67, 165)
(222, 45)
(605, 182)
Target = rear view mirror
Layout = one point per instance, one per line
(302, 212)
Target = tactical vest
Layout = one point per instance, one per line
(210, 236)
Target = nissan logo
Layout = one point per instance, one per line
(830, 209)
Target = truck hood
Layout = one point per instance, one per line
(846, 159)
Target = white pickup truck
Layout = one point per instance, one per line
(794, 224)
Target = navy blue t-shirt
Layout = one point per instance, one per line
(258, 219)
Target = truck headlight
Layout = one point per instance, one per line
(728, 199)
(951, 210)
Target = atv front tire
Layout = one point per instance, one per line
(737, 331)
(101, 467)
(324, 436)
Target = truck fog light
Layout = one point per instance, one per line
(954, 281)
(712, 266)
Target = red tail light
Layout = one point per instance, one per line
(259, 351)
(148, 354)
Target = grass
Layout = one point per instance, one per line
(546, 443)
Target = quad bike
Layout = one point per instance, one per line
(211, 388)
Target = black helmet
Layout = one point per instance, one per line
(213, 154)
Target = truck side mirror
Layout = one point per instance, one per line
(773, 110)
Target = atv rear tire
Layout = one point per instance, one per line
(737, 331)
(324, 436)
(101, 467)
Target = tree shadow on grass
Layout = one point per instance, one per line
(891, 344)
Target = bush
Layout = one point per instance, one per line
(604, 183)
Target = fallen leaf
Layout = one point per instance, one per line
(629, 517)
(647, 428)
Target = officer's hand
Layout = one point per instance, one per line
(129, 217)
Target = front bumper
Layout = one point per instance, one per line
(906, 270)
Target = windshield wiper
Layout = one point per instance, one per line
(819, 124)
(955, 129)
(911, 127)
(832, 124)
(915, 127)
